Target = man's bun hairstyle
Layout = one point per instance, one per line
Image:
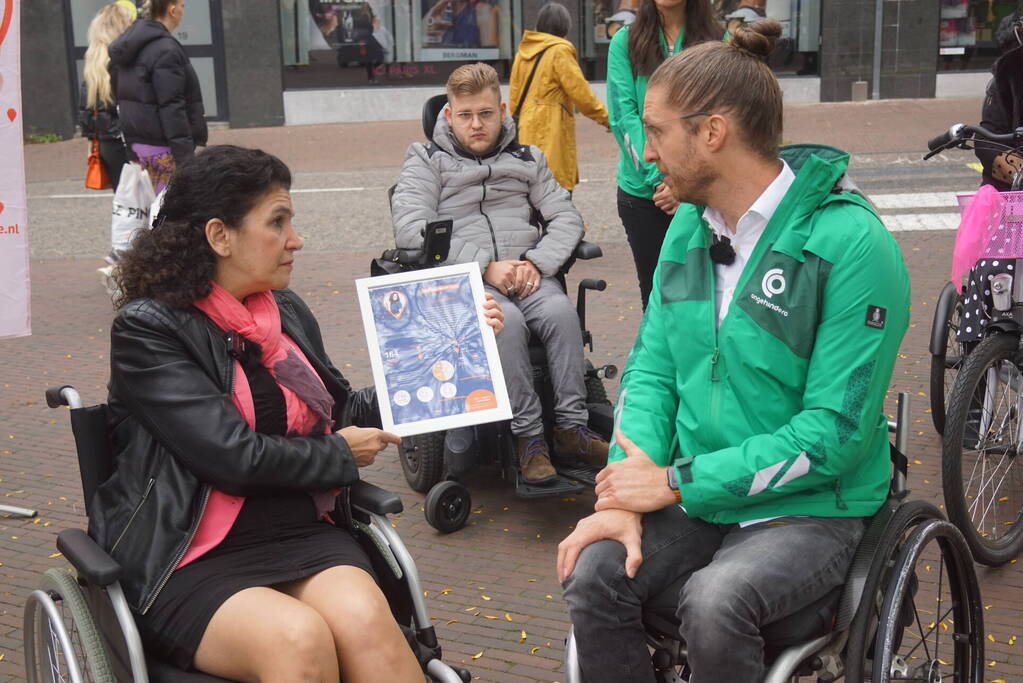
(730, 78)
(758, 38)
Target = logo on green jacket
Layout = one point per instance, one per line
(783, 297)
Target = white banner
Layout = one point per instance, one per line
(15, 318)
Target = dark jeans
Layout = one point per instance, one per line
(645, 226)
(113, 155)
(732, 581)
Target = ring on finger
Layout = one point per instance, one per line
(529, 284)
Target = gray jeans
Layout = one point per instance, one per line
(733, 580)
(549, 313)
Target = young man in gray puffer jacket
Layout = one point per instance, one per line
(476, 172)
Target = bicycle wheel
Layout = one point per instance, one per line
(931, 626)
(946, 362)
(859, 652)
(88, 650)
(982, 475)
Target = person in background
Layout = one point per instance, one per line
(97, 111)
(475, 171)
(645, 203)
(158, 94)
(546, 114)
(1002, 113)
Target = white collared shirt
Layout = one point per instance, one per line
(747, 232)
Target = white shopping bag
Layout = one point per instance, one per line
(133, 201)
(154, 209)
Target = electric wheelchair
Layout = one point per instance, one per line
(433, 463)
(78, 627)
(910, 609)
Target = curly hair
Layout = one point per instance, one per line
(174, 263)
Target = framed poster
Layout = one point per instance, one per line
(434, 358)
(460, 30)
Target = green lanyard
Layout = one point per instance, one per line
(664, 43)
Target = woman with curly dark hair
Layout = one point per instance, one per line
(233, 433)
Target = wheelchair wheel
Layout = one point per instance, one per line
(946, 362)
(982, 470)
(447, 506)
(869, 612)
(88, 650)
(931, 627)
(422, 460)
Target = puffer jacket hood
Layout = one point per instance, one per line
(129, 44)
(491, 200)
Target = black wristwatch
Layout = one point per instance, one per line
(673, 483)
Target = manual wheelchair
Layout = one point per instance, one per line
(911, 589)
(78, 627)
(433, 463)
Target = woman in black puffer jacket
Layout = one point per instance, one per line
(158, 93)
(97, 110)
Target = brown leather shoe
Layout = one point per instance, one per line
(535, 461)
(580, 442)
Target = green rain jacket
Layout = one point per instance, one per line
(778, 412)
(625, 94)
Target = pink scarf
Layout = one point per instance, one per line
(308, 403)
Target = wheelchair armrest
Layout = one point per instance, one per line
(91, 561)
(585, 251)
(375, 500)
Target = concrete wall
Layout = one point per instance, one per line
(253, 64)
(47, 101)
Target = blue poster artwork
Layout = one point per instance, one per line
(432, 349)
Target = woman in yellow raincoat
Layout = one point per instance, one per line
(546, 114)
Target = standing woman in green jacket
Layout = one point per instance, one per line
(645, 203)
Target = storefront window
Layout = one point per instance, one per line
(393, 42)
(973, 33)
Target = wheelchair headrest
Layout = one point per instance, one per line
(431, 110)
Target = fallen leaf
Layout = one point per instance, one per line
(451, 621)
(485, 597)
(523, 638)
(507, 616)
(478, 654)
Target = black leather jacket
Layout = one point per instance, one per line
(176, 435)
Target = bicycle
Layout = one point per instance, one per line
(981, 408)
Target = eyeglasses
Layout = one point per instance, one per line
(653, 131)
(467, 116)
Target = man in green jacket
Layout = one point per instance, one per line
(751, 440)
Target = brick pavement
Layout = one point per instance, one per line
(502, 565)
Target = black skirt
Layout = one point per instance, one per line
(273, 541)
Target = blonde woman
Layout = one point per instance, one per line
(97, 113)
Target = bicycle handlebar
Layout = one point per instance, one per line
(961, 131)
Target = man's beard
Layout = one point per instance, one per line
(693, 187)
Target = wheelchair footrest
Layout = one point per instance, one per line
(577, 470)
(562, 486)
